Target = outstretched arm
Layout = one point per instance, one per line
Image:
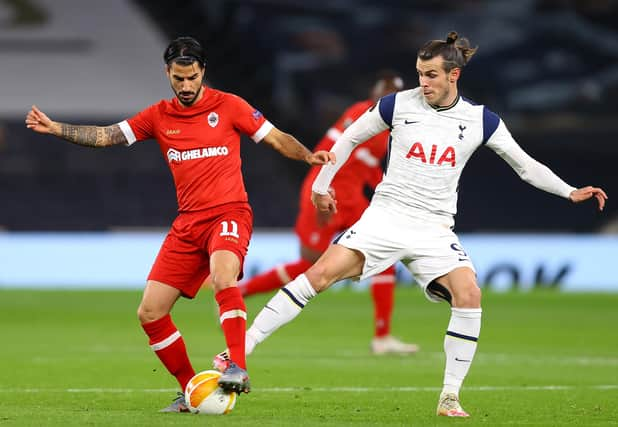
(291, 148)
(536, 173)
(539, 175)
(88, 136)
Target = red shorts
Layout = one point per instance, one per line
(317, 237)
(183, 261)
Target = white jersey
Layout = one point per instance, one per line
(428, 150)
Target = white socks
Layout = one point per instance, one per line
(281, 309)
(459, 345)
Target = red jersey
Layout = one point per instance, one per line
(201, 144)
(363, 167)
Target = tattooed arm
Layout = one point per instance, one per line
(88, 136)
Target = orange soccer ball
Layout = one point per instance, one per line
(204, 396)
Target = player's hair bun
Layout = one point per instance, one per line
(451, 37)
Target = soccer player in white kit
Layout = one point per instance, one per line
(434, 131)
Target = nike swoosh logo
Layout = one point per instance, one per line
(462, 360)
(409, 122)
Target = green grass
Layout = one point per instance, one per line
(79, 358)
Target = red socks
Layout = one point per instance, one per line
(168, 345)
(233, 318)
(275, 278)
(382, 292)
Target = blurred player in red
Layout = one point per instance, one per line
(316, 229)
(198, 133)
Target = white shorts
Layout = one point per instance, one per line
(427, 250)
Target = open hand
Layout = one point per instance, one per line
(38, 121)
(585, 193)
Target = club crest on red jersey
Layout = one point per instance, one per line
(213, 119)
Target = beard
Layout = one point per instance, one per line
(186, 99)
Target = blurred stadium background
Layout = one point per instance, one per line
(76, 218)
(548, 67)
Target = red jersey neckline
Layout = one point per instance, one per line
(210, 99)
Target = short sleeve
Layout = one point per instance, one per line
(249, 120)
(140, 126)
(387, 107)
(490, 123)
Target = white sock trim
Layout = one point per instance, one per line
(231, 314)
(166, 342)
(282, 274)
(383, 279)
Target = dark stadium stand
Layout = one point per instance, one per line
(301, 63)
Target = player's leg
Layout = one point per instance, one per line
(445, 272)
(461, 337)
(178, 270)
(337, 263)
(275, 278)
(314, 240)
(383, 295)
(226, 237)
(225, 268)
(164, 338)
(282, 274)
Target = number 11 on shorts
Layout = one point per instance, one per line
(226, 231)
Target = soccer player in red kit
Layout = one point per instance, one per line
(198, 133)
(315, 229)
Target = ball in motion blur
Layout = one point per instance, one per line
(204, 396)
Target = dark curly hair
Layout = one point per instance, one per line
(184, 51)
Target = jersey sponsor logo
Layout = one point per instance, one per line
(197, 153)
(446, 157)
(172, 132)
(256, 114)
(173, 155)
(213, 119)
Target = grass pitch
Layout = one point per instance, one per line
(79, 358)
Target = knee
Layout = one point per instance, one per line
(147, 313)
(467, 296)
(318, 277)
(220, 282)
